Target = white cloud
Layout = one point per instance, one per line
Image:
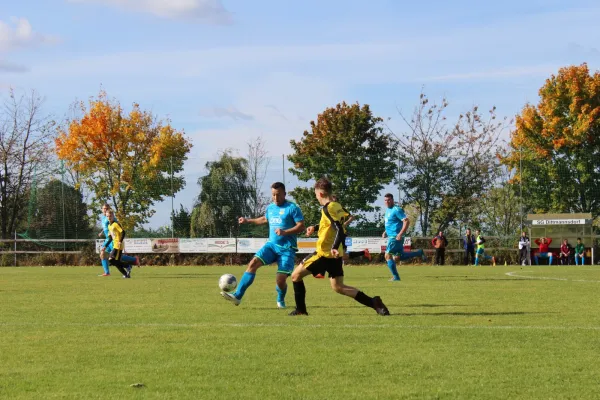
(7, 66)
(208, 11)
(222, 112)
(18, 33)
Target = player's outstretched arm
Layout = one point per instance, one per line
(255, 221)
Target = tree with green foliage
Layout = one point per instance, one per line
(347, 145)
(60, 212)
(223, 198)
(181, 221)
(556, 144)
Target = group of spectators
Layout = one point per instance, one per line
(566, 255)
(471, 243)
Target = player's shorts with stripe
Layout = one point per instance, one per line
(394, 247)
(318, 265)
(480, 251)
(116, 254)
(285, 257)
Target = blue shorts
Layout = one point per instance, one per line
(285, 258)
(395, 247)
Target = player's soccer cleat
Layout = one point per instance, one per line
(319, 276)
(297, 312)
(231, 298)
(367, 254)
(281, 304)
(137, 261)
(379, 306)
(493, 261)
(104, 275)
(128, 269)
(393, 279)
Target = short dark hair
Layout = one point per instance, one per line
(324, 185)
(578, 238)
(391, 196)
(278, 185)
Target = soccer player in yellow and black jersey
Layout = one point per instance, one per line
(328, 257)
(116, 236)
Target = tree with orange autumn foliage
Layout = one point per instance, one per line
(131, 160)
(558, 143)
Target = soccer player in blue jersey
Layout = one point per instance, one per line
(107, 246)
(285, 222)
(396, 225)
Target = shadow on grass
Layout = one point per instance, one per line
(472, 278)
(468, 314)
(437, 305)
(182, 276)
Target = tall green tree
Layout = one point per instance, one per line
(181, 221)
(556, 144)
(60, 212)
(348, 145)
(445, 168)
(223, 198)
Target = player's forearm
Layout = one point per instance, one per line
(298, 228)
(257, 221)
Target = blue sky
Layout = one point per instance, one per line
(230, 71)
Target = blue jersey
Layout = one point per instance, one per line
(394, 218)
(285, 216)
(105, 224)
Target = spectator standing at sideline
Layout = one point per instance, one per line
(439, 243)
(469, 246)
(524, 248)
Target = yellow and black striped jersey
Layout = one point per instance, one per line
(118, 234)
(331, 230)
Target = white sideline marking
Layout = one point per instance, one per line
(343, 326)
(515, 274)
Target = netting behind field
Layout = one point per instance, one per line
(215, 195)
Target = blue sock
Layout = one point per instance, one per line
(392, 267)
(582, 260)
(407, 255)
(245, 283)
(105, 266)
(476, 261)
(127, 259)
(280, 293)
(550, 263)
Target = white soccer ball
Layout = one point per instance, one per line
(227, 282)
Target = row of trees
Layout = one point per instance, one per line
(449, 173)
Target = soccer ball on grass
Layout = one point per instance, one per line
(227, 282)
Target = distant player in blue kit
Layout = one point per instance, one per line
(285, 222)
(396, 225)
(107, 246)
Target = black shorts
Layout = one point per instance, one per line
(115, 254)
(317, 264)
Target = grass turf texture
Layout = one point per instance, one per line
(454, 333)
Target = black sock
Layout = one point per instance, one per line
(364, 299)
(300, 296)
(355, 254)
(119, 266)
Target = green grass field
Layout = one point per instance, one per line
(454, 333)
